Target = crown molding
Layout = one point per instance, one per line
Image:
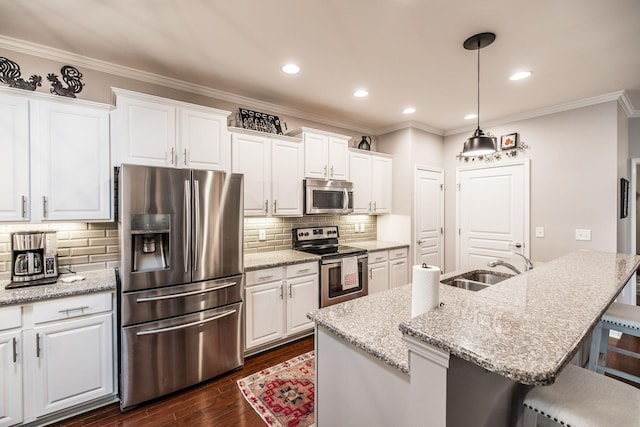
(627, 106)
(409, 124)
(59, 55)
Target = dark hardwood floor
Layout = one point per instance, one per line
(219, 402)
(216, 403)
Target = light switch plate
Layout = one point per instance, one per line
(362, 228)
(539, 231)
(583, 234)
(262, 234)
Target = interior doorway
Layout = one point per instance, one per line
(429, 216)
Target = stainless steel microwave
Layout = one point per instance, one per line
(328, 197)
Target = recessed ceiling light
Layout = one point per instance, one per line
(470, 116)
(291, 69)
(520, 75)
(361, 93)
(409, 110)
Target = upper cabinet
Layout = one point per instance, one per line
(273, 172)
(326, 155)
(57, 167)
(155, 131)
(371, 177)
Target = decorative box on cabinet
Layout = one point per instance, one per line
(154, 131)
(61, 354)
(277, 301)
(326, 154)
(49, 142)
(371, 177)
(273, 171)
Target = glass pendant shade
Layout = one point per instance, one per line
(479, 144)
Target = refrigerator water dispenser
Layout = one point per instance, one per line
(150, 235)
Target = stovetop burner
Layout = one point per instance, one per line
(323, 241)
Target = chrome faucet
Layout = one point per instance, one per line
(528, 265)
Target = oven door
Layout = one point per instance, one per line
(328, 197)
(331, 291)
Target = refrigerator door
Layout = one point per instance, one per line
(155, 221)
(217, 225)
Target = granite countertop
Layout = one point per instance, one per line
(94, 281)
(276, 259)
(378, 245)
(526, 328)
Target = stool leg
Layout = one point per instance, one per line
(594, 354)
(604, 345)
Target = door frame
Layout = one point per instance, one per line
(633, 206)
(414, 243)
(526, 163)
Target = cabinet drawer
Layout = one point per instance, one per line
(65, 308)
(379, 256)
(10, 318)
(398, 253)
(302, 269)
(262, 276)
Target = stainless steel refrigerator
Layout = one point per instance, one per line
(180, 279)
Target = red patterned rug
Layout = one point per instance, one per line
(283, 395)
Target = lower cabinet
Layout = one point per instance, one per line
(398, 267)
(277, 302)
(387, 269)
(61, 356)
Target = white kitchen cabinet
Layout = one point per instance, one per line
(154, 131)
(63, 353)
(10, 366)
(49, 143)
(273, 173)
(398, 267)
(378, 271)
(277, 301)
(326, 155)
(370, 174)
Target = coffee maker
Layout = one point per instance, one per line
(34, 258)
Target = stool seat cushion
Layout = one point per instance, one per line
(583, 398)
(623, 314)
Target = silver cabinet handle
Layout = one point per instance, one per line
(265, 277)
(331, 171)
(266, 206)
(281, 292)
(185, 325)
(275, 209)
(196, 234)
(44, 206)
(38, 345)
(24, 206)
(304, 270)
(186, 294)
(69, 310)
(325, 171)
(421, 241)
(370, 207)
(371, 273)
(15, 350)
(172, 162)
(375, 206)
(186, 224)
(184, 159)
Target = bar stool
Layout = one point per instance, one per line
(619, 317)
(583, 398)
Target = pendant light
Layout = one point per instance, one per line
(479, 144)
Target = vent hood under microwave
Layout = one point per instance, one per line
(328, 197)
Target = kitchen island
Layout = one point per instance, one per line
(469, 361)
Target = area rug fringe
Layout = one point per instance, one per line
(283, 395)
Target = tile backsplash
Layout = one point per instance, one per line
(93, 246)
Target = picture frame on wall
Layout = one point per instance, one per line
(624, 198)
(508, 142)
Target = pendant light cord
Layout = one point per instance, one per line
(478, 84)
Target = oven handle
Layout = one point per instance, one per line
(186, 294)
(185, 325)
(339, 260)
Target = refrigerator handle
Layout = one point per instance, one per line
(186, 229)
(196, 234)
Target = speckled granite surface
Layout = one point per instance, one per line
(95, 281)
(526, 328)
(276, 258)
(378, 245)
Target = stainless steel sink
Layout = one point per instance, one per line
(476, 280)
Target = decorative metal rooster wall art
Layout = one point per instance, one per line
(10, 75)
(72, 78)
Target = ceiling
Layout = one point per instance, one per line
(404, 52)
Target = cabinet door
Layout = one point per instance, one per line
(11, 374)
(72, 160)
(397, 272)
(74, 363)
(14, 162)
(378, 277)
(204, 140)
(302, 298)
(360, 176)
(252, 157)
(381, 189)
(338, 158)
(316, 156)
(145, 132)
(286, 177)
(265, 313)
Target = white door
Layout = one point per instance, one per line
(287, 172)
(252, 157)
(492, 214)
(204, 140)
(302, 298)
(11, 375)
(429, 214)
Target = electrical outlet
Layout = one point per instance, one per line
(362, 228)
(539, 231)
(357, 228)
(583, 234)
(262, 234)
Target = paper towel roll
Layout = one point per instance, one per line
(425, 289)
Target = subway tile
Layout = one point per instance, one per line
(103, 257)
(87, 250)
(86, 234)
(104, 241)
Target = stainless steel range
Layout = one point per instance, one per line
(343, 269)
